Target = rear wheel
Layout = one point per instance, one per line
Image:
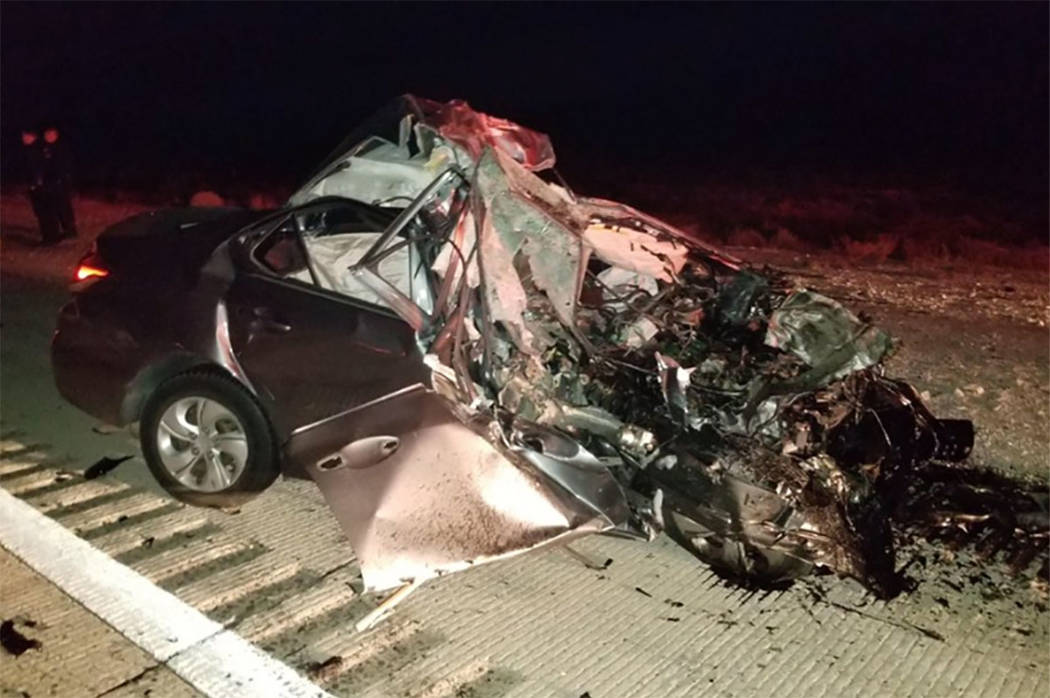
(207, 441)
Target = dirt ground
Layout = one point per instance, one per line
(974, 342)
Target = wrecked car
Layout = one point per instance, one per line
(472, 361)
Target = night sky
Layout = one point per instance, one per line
(693, 92)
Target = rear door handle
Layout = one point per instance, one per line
(264, 320)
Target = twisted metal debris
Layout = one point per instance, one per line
(593, 369)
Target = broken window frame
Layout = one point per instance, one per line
(252, 239)
(260, 235)
(366, 271)
(341, 162)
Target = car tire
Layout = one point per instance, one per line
(207, 440)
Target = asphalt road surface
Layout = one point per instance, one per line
(653, 622)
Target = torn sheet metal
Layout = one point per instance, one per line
(733, 532)
(475, 132)
(504, 293)
(674, 381)
(825, 335)
(635, 250)
(619, 284)
(401, 148)
(443, 498)
(552, 253)
(595, 370)
(578, 471)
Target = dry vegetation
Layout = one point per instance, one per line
(861, 225)
(869, 225)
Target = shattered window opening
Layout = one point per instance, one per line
(281, 251)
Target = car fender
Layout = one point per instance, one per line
(156, 372)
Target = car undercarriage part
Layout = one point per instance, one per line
(596, 370)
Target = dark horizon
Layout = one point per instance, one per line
(952, 94)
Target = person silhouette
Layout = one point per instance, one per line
(58, 180)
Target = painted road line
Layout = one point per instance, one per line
(159, 681)
(225, 665)
(215, 661)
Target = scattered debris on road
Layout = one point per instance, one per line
(317, 670)
(104, 465)
(13, 641)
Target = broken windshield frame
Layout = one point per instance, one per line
(366, 270)
(340, 164)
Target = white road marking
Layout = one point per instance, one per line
(215, 661)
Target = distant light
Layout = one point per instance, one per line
(86, 271)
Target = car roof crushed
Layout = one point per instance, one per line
(636, 381)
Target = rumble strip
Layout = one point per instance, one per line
(215, 661)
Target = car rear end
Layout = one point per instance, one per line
(92, 353)
(133, 301)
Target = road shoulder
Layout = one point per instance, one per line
(158, 625)
(65, 650)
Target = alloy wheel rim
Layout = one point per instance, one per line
(202, 444)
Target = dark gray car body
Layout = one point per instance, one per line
(183, 292)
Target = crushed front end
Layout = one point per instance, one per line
(595, 370)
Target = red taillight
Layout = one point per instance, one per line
(86, 271)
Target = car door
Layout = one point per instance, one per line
(314, 349)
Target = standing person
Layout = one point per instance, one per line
(58, 180)
(43, 208)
